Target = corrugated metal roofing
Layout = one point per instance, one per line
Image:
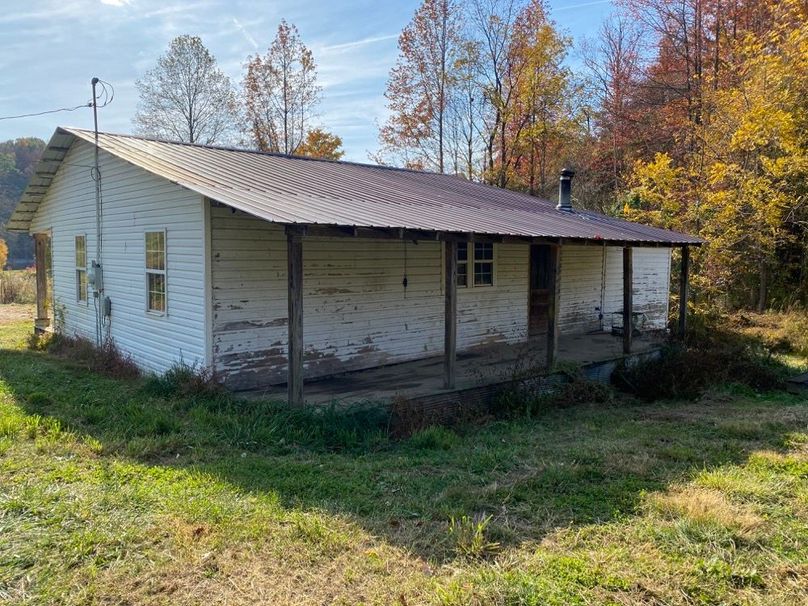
(285, 189)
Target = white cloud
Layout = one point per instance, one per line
(358, 43)
(245, 33)
(116, 2)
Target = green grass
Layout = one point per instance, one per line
(111, 492)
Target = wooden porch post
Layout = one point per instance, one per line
(684, 290)
(628, 299)
(294, 249)
(553, 308)
(450, 320)
(40, 250)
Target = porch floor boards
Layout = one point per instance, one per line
(490, 366)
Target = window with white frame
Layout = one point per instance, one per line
(81, 269)
(156, 272)
(483, 264)
(462, 264)
(480, 258)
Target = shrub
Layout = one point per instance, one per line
(687, 372)
(184, 379)
(785, 332)
(580, 390)
(563, 390)
(106, 359)
(18, 286)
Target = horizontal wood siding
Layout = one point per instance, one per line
(581, 289)
(651, 284)
(135, 201)
(356, 311)
(585, 287)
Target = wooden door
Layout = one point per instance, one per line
(541, 258)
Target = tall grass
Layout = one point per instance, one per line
(18, 286)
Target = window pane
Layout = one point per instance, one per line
(157, 292)
(483, 251)
(81, 251)
(81, 285)
(462, 274)
(462, 251)
(155, 250)
(483, 274)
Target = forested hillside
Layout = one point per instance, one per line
(686, 114)
(18, 159)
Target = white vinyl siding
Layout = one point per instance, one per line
(135, 202)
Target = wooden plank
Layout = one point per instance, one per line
(450, 317)
(628, 299)
(40, 250)
(684, 291)
(553, 308)
(294, 249)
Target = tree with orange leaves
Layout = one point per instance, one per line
(419, 90)
(321, 144)
(281, 93)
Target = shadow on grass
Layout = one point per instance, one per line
(578, 465)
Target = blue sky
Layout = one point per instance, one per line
(52, 48)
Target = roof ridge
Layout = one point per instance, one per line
(246, 150)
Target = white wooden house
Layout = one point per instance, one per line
(244, 261)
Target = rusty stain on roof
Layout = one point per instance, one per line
(293, 190)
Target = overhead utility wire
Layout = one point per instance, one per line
(49, 111)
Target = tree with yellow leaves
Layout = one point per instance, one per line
(745, 186)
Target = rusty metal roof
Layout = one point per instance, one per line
(286, 189)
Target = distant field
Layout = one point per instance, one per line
(17, 286)
(111, 493)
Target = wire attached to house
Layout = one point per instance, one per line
(95, 173)
(49, 111)
(106, 97)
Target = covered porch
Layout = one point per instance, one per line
(499, 365)
(453, 373)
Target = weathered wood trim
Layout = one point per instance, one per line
(684, 291)
(450, 318)
(399, 233)
(553, 309)
(208, 281)
(40, 249)
(294, 249)
(628, 299)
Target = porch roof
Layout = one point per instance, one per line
(294, 190)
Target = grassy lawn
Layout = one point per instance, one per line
(113, 494)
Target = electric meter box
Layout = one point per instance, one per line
(95, 277)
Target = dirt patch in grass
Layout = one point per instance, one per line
(11, 313)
